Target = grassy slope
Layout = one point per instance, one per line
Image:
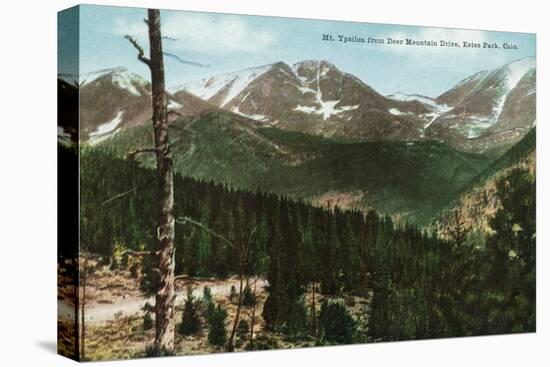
(414, 179)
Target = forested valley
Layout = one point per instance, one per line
(316, 262)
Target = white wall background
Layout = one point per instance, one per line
(28, 182)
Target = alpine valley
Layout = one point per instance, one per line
(314, 132)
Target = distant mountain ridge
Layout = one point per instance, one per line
(487, 110)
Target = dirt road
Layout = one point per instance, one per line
(100, 313)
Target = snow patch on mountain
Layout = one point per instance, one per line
(324, 71)
(326, 109)
(395, 112)
(174, 105)
(476, 126)
(127, 81)
(402, 97)
(257, 117)
(294, 68)
(107, 129)
(432, 116)
(305, 90)
(517, 69)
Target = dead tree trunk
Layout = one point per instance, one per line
(83, 281)
(313, 310)
(253, 317)
(231, 341)
(165, 297)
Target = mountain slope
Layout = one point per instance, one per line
(490, 109)
(114, 99)
(412, 179)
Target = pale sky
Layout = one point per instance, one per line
(232, 42)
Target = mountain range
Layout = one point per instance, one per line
(487, 110)
(314, 132)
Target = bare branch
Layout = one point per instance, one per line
(133, 153)
(182, 61)
(184, 220)
(141, 54)
(172, 112)
(195, 278)
(175, 127)
(120, 196)
(139, 253)
(147, 307)
(180, 277)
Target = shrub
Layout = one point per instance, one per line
(152, 351)
(263, 342)
(147, 321)
(233, 296)
(207, 302)
(134, 271)
(243, 329)
(207, 295)
(217, 334)
(296, 320)
(190, 323)
(350, 301)
(335, 323)
(249, 299)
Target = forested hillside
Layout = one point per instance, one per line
(412, 180)
(476, 203)
(419, 286)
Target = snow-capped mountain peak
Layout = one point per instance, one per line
(230, 84)
(120, 76)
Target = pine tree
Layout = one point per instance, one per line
(217, 333)
(249, 299)
(512, 251)
(335, 323)
(190, 323)
(233, 296)
(207, 302)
